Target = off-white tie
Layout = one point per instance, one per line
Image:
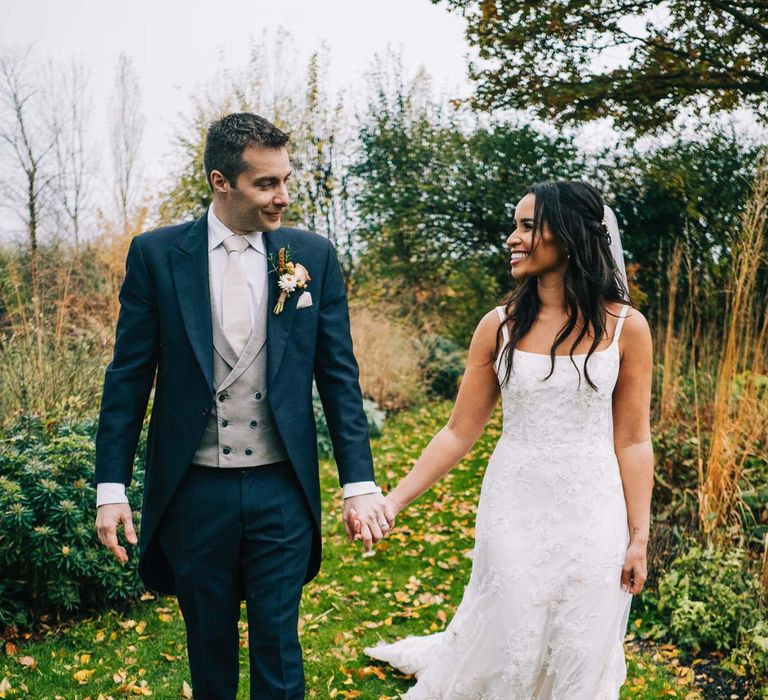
(236, 296)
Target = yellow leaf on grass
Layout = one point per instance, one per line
(27, 661)
(168, 657)
(141, 627)
(165, 617)
(83, 675)
(141, 689)
(186, 691)
(5, 686)
(100, 635)
(85, 658)
(127, 624)
(371, 670)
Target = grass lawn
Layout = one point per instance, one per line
(410, 586)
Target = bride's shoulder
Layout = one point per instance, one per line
(487, 332)
(491, 322)
(636, 331)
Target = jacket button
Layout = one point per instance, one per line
(227, 451)
(257, 396)
(254, 423)
(248, 451)
(222, 397)
(224, 423)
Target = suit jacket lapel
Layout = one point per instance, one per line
(189, 264)
(278, 325)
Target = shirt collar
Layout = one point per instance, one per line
(217, 232)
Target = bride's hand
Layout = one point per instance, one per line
(635, 569)
(391, 509)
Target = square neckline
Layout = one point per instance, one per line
(614, 342)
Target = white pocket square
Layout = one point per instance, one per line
(304, 300)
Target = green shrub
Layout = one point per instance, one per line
(50, 557)
(708, 598)
(375, 415)
(443, 367)
(751, 655)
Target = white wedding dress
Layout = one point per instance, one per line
(543, 616)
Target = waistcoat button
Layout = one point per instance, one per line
(253, 423)
(227, 451)
(257, 396)
(222, 397)
(248, 451)
(224, 423)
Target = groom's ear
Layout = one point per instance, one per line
(218, 182)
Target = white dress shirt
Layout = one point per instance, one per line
(254, 259)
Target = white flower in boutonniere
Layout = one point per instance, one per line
(291, 276)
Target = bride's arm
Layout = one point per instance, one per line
(476, 399)
(632, 442)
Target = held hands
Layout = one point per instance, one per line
(369, 518)
(108, 517)
(635, 569)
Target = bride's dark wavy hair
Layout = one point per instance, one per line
(574, 212)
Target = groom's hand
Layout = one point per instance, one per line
(108, 517)
(366, 517)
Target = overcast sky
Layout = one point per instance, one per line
(176, 45)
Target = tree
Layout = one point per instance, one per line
(70, 109)
(435, 200)
(705, 55)
(690, 192)
(29, 142)
(315, 153)
(127, 129)
(309, 114)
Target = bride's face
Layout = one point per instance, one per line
(533, 257)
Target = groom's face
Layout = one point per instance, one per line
(533, 256)
(257, 200)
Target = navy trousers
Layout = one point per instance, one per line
(234, 534)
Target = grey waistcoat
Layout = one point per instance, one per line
(241, 430)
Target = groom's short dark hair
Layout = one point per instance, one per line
(228, 136)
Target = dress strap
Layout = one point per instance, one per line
(502, 318)
(620, 323)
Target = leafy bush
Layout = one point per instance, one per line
(373, 413)
(709, 597)
(443, 367)
(751, 656)
(50, 556)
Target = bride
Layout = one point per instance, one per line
(563, 519)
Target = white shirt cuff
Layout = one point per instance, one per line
(110, 492)
(360, 488)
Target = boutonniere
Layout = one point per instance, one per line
(290, 277)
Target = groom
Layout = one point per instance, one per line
(231, 507)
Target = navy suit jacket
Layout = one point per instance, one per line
(164, 334)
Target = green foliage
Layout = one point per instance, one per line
(50, 557)
(443, 367)
(436, 201)
(551, 57)
(692, 191)
(373, 413)
(708, 597)
(751, 655)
